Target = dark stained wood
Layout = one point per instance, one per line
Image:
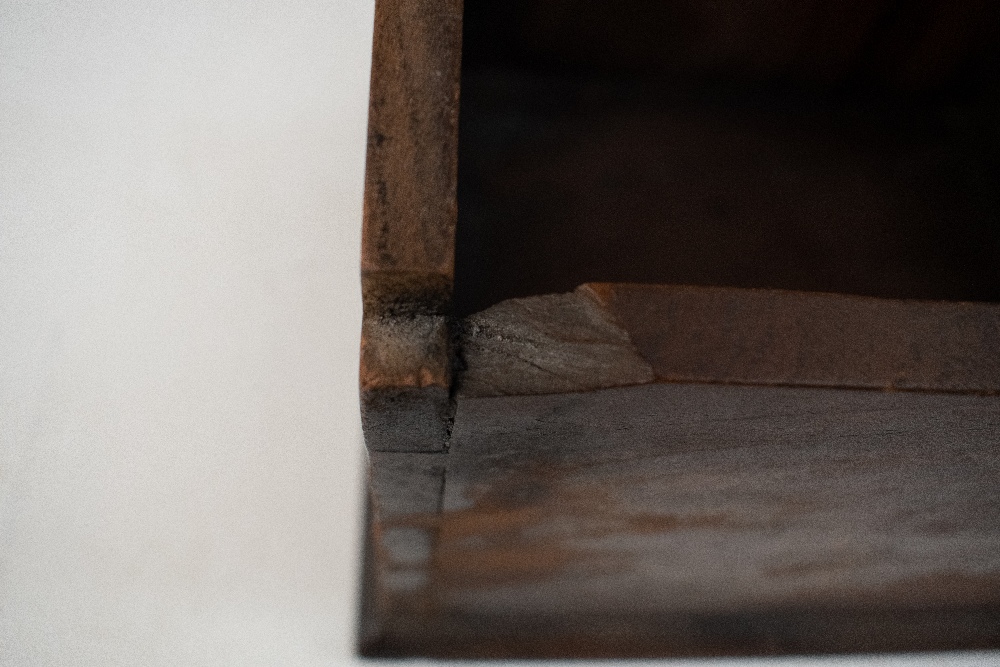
(912, 44)
(605, 335)
(545, 345)
(409, 224)
(405, 379)
(697, 519)
(400, 550)
(580, 507)
(410, 180)
(765, 632)
(703, 334)
(587, 500)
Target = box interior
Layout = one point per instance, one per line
(827, 146)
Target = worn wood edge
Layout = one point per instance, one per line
(404, 352)
(801, 339)
(408, 232)
(554, 343)
(405, 379)
(405, 494)
(766, 632)
(402, 293)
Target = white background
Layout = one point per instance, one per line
(180, 207)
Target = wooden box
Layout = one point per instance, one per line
(682, 339)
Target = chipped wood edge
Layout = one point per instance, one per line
(555, 343)
(717, 335)
(408, 233)
(585, 341)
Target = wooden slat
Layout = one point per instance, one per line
(409, 223)
(605, 335)
(775, 337)
(411, 172)
(671, 519)
(596, 503)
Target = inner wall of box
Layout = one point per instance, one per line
(827, 146)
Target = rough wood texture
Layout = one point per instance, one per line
(575, 517)
(569, 495)
(404, 351)
(697, 519)
(703, 334)
(547, 344)
(409, 225)
(411, 171)
(605, 335)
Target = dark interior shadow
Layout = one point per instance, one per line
(714, 144)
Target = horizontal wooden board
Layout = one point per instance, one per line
(688, 519)
(606, 334)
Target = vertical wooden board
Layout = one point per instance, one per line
(404, 484)
(411, 171)
(409, 224)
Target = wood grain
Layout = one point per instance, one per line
(605, 335)
(774, 337)
(410, 179)
(547, 344)
(595, 482)
(695, 519)
(409, 224)
(587, 489)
